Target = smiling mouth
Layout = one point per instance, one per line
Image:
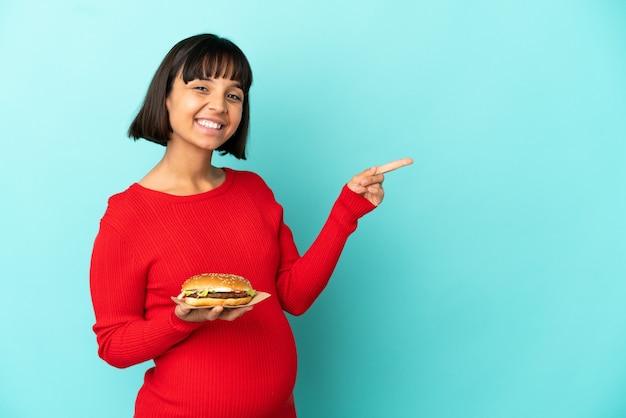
(209, 124)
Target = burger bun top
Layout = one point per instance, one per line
(217, 282)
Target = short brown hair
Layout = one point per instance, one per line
(198, 57)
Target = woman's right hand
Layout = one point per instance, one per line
(210, 314)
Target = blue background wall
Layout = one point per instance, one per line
(489, 284)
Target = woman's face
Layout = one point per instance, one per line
(204, 113)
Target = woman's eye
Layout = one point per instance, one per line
(199, 88)
(234, 97)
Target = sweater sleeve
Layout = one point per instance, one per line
(118, 286)
(302, 279)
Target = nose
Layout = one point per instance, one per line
(217, 103)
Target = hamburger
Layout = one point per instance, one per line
(216, 289)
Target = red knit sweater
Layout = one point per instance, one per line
(149, 242)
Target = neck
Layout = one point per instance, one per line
(184, 174)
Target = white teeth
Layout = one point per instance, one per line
(209, 124)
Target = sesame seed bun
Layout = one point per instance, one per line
(217, 289)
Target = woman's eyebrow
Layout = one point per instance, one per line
(234, 83)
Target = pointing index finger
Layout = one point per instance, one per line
(393, 165)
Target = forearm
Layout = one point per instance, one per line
(302, 279)
(135, 341)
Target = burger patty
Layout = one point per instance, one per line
(220, 295)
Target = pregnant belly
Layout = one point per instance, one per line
(242, 368)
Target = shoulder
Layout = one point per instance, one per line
(124, 208)
(122, 200)
(248, 179)
(251, 184)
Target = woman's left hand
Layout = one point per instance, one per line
(369, 183)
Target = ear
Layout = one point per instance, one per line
(168, 102)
